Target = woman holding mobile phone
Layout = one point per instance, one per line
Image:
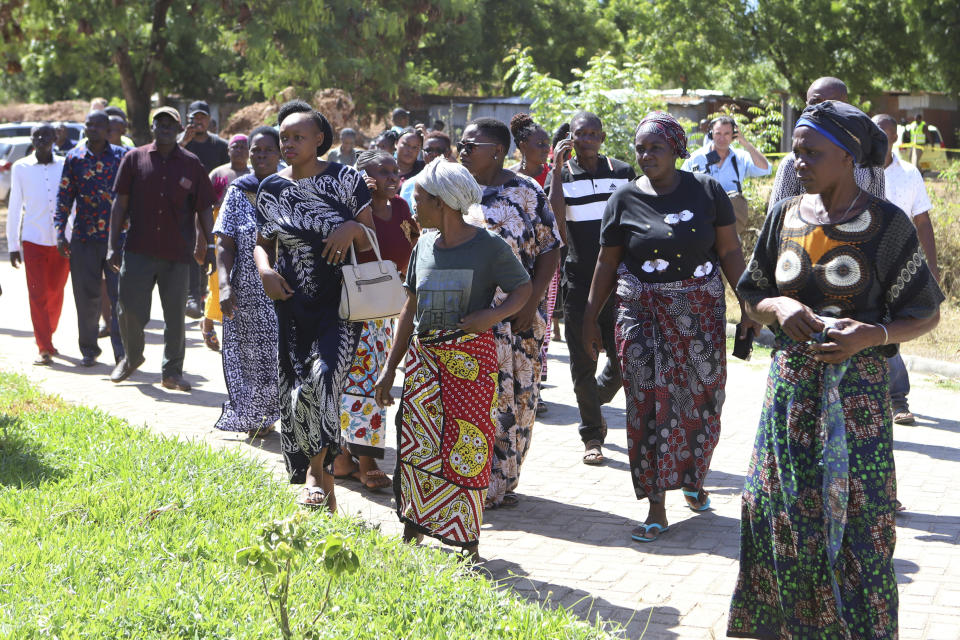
(840, 276)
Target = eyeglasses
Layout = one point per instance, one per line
(433, 151)
(470, 147)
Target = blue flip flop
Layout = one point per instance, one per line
(696, 495)
(660, 529)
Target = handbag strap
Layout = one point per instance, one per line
(372, 237)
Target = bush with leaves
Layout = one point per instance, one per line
(283, 543)
(620, 93)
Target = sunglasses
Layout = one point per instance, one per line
(470, 147)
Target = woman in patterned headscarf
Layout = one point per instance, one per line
(840, 277)
(663, 242)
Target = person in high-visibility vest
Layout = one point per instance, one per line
(918, 138)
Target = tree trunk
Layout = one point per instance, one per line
(137, 91)
(138, 100)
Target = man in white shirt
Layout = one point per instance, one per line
(786, 184)
(32, 237)
(904, 188)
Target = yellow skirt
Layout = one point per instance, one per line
(212, 309)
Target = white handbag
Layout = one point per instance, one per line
(371, 290)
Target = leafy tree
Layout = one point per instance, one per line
(686, 41)
(83, 48)
(858, 41)
(559, 36)
(933, 33)
(618, 93)
(370, 49)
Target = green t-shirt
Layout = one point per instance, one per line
(452, 283)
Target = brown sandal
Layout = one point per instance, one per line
(594, 454)
(375, 480)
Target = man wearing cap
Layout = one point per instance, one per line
(89, 173)
(162, 191)
(213, 152)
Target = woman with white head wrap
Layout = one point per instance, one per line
(445, 430)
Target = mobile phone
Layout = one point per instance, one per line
(743, 346)
(569, 153)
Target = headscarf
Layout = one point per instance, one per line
(248, 182)
(664, 124)
(238, 138)
(452, 183)
(849, 128)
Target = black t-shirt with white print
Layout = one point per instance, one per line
(586, 198)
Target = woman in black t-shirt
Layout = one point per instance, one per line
(664, 239)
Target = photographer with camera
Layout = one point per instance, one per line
(729, 166)
(213, 151)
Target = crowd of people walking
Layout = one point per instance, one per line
(844, 270)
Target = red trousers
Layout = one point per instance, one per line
(47, 273)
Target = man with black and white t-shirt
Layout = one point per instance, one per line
(578, 195)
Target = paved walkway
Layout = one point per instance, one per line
(568, 541)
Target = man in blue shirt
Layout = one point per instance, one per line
(88, 174)
(729, 166)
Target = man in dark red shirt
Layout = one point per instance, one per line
(162, 190)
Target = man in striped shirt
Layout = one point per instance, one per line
(579, 188)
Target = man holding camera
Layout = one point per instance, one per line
(728, 165)
(213, 152)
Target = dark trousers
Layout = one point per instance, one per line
(138, 275)
(591, 392)
(197, 282)
(88, 266)
(899, 384)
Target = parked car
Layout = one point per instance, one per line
(11, 150)
(13, 129)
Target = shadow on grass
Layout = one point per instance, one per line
(656, 621)
(21, 462)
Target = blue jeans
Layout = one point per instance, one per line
(899, 384)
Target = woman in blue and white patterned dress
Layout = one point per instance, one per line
(249, 321)
(308, 215)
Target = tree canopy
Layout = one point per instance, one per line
(384, 51)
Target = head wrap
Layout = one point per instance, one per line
(238, 137)
(664, 124)
(849, 128)
(248, 182)
(452, 183)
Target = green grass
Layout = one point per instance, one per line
(107, 531)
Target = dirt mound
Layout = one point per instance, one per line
(64, 110)
(335, 104)
(249, 118)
